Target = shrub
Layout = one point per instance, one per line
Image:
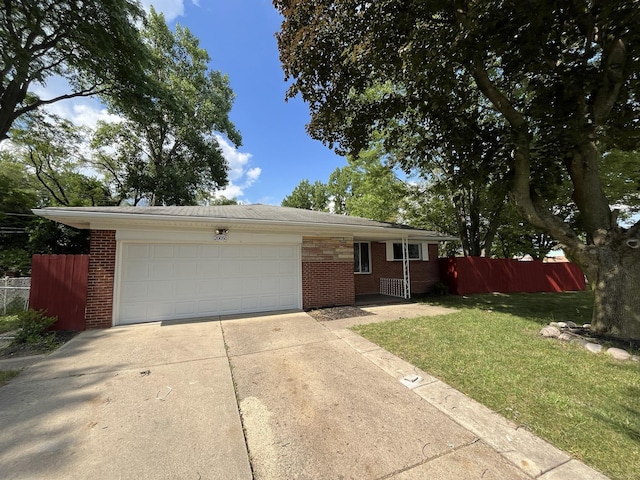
(439, 288)
(32, 326)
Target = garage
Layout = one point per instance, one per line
(157, 263)
(164, 281)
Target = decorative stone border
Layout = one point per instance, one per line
(570, 332)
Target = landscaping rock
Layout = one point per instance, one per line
(550, 332)
(593, 347)
(580, 341)
(618, 354)
(573, 333)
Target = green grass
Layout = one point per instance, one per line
(8, 323)
(585, 404)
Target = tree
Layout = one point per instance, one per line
(52, 148)
(622, 181)
(49, 151)
(310, 196)
(221, 200)
(167, 152)
(17, 196)
(563, 80)
(95, 46)
(367, 187)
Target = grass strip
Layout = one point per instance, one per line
(585, 404)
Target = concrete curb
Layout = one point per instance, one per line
(530, 454)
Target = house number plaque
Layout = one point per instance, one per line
(221, 235)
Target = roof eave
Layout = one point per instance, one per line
(111, 220)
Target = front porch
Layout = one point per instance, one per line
(385, 277)
(377, 299)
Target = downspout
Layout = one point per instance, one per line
(405, 269)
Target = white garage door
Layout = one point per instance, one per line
(172, 281)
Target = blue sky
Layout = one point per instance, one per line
(276, 152)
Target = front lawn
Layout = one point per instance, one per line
(587, 405)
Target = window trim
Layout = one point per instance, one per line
(424, 251)
(360, 252)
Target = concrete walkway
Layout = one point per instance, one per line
(316, 401)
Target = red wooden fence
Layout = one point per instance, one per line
(59, 286)
(466, 275)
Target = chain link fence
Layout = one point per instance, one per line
(14, 294)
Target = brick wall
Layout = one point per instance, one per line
(102, 264)
(327, 272)
(422, 274)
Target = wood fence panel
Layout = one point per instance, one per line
(59, 286)
(467, 275)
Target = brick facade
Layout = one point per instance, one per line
(102, 264)
(422, 274)
(327, 272)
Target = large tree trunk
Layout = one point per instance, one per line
(610, 258)
(616, 287)
(609, 255)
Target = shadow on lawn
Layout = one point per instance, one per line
(633, 431)
(620, 423)
(541, 308)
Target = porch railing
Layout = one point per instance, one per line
(393, 287)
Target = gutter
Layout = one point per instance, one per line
(85, 219)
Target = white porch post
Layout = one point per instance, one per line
(405, 268)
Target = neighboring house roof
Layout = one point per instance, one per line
(245, 217)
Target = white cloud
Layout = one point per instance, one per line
(237, 161)
(230, 191)
(86, 114)
(253, 174)
(171, 9)
(241, 174)
(82, 111)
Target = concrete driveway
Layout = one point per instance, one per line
(315, 400)
(142, 402)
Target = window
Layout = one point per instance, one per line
(361, 258)
(417, 251)
(414, 251)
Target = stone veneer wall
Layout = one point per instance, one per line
(102, 266)
(327, 272)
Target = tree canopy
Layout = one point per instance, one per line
(17, 196)
(367, 187)
(167, 152)
(309, 196)
(560, 79)
(95, 46)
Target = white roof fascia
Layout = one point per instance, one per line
(115, 221)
